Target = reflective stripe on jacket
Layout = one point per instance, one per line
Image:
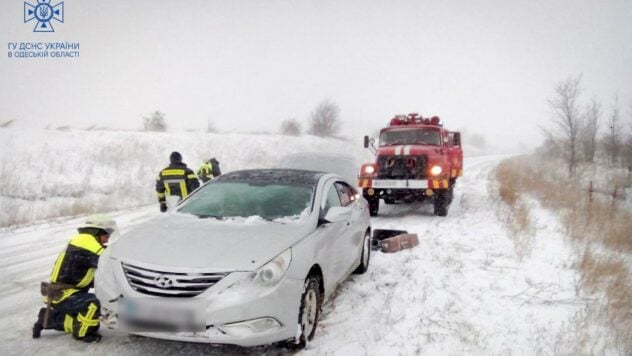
(177, 179)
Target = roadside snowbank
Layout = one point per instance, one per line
(49, 174)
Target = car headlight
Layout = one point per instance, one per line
(369, 169)
(271, 273)
(436, 170)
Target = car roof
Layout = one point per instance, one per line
(281, 175)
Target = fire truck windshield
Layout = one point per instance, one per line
(410, 136)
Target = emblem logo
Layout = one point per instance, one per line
(164, 281)
(43, 12)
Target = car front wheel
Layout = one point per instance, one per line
(366, 255)
(309, 312)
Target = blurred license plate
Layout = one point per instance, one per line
(401, 183)
(154, 314)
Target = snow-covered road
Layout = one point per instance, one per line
(462, 290)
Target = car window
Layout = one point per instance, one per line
(333, 199)
(344, 191)
(353, 193)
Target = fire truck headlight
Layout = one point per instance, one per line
(436, 170)
(369, 169)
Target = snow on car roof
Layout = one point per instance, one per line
(292, 176)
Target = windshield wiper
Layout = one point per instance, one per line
(271, 220)
(205, 216)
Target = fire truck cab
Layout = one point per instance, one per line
(417, 159)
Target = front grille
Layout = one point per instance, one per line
(169, 284)
(402, 167)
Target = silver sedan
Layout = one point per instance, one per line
(248, 259)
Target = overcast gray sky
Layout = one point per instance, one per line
(486, 66)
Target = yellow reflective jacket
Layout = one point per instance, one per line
(76, 264)
(177, 179)
(206, 172)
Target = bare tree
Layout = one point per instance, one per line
(291, 127)
(325, 120)
(628, 146)
(588, 135)
(210, 127)
(155, 122)
(567, 118)
(613, 136)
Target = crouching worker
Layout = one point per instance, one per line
(69, 305)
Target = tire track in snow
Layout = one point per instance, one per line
(416, 294)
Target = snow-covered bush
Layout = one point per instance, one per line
(155, 122)
(290, 127)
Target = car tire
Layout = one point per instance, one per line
(365, 256)
(374, 206)
(308, 313)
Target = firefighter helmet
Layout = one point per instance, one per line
(102, 222)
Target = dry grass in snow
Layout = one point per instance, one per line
(598, 225)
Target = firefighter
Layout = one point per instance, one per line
(70, 306)
(209, 170)
(175, 180)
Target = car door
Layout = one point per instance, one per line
(354, 231)
(335, 235)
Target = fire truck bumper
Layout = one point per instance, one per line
(400, 183)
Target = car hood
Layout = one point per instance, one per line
(187, 242)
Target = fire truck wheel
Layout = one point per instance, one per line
(450, 194)
(441, 202)
(374, 206)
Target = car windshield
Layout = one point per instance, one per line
(269, 200)
(410, 137)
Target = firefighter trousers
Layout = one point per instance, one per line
(78, 315)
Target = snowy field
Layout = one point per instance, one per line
(46, 173)
(463, 290)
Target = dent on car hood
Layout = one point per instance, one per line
(185, 241)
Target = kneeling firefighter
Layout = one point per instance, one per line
(69, 305)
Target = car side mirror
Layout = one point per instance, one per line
(337, 213)
(366, 141)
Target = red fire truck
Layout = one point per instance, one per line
(417, 159)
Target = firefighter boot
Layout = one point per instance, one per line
(39, 324)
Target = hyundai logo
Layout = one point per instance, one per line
(164, 281)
